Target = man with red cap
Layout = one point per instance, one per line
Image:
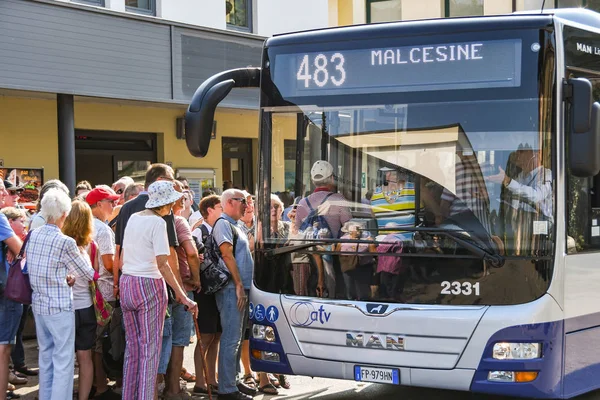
(102, 199)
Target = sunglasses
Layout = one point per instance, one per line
(119, 191)
(240, 199)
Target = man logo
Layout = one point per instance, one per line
(376, 308)
(304, 314)
(374, 341)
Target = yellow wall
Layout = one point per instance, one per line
(28, 131)
(345, 12)
(284, 128)
(28, 134)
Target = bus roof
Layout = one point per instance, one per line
(522, 20)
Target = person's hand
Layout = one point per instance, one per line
(242, 299)
(189, 305)
(116, 291)
(70, 280)
(195, 284)
(292, 214)
(201, 258)
(499, 177)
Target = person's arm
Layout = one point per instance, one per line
(174, 264)
(107, 261)
(320, 274)
(535, 194)
(115, 273)
(14, 244)
(229, 259)
(162, 252)
(77, 262)
(194, 263)
(166, 271)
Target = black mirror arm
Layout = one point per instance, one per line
(200, 114)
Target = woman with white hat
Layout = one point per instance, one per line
(143, 290)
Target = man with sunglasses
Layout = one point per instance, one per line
(120, 186)
(232, 300)
(186, 187)
(14, 193)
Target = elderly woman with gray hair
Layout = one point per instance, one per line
(52, 259)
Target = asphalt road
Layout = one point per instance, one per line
(304, 388)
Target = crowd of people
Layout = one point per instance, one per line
(115, 273)
(135, 251)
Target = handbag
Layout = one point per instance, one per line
(18, 287)
(214, 274)
(102, 308)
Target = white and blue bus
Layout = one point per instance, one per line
(468, 149)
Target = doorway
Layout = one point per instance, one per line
(237, 163)
(102, 157)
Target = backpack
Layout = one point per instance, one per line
(214, 274)
(316, 222)
(391, 264)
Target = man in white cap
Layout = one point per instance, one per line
(330, 204)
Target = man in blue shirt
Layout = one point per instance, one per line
(232, 300)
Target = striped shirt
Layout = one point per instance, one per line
(471, 191)
(51, 255)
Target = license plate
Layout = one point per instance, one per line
(378, 375)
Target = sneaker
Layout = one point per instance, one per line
(15, 380)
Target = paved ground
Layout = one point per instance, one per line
(305, 388)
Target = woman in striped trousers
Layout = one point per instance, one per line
(143, 291)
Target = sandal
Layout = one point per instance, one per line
(283, 381)
(274, 381)
(269, 389)
(249, 380)
(186, 376)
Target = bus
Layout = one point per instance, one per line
(464, 152)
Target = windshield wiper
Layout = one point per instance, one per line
(290, 249)
(495, 259)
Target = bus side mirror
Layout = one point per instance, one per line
(584, 136)
(200, 114)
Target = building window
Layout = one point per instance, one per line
(99, 3)
(239, 14)
(464, 8)
(384, 10)
(591, 4)
(141, 6)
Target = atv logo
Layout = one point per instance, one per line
(376, 308)
(304, 313)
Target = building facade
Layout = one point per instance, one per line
(97, 89)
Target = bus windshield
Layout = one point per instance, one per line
(383, 181)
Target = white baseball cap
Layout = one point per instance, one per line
(321, 170)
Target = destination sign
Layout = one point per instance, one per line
(447, 66)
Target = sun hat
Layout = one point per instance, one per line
(321, 170)
(11, 187)
(100, 193)
(162, 193)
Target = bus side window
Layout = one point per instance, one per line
(583, 215)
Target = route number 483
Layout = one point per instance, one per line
(456, 288)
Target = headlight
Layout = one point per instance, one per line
(263, 333)
(265, 355)
(517, 351)
(512, 376)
